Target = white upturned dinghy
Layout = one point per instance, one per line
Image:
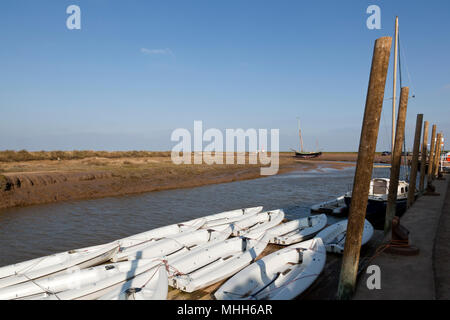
(230, 216)
(171, 244)
(150, 285)
(334, 236)
(334, 207)
(112, 281)
(297, 230)
(156, 251)
(54, 264)
(211, 263)
(144, 237)
(42, 262)
(282, 275)
(135, 242)
(71, 279)
(255, 225)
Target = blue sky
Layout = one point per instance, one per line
(137, 70)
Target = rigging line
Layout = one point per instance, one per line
(406, 66)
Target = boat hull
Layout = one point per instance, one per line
(376, 210)
(308, 155)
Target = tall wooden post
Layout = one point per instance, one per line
(436, 157)
(431, 160)
(415, 161)
(423, 158)
(364, 166)
(438, 154)
(396, 159)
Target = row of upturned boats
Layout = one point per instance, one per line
(188, 256)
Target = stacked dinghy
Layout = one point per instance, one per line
(282, 275)
(174, 243)
(213, 262)
(55, 264)
(334, 236)
(256, 225)
(228, 217)
(113, 281)
(297, 230)
(189, 256)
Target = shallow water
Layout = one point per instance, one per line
(31, 232)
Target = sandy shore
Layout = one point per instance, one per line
(24, 183)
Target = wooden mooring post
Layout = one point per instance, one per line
(396, 159)
(423, 157)
(415, 161)
(364, 167)
(438, 155)
(431, 157)
(430, 188)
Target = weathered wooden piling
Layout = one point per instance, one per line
(396, 159)
(364, 167)
(431, 159)
(423, 157)
(437, 156)
(415, 161)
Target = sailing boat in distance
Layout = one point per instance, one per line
(302, 154)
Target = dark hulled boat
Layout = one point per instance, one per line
(302, 154)
(377, 201)
(307, 155)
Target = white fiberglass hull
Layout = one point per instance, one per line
(282, 275)
(334, 236)
(150, 285)
(171, 244)
(128, 243)
(258, 223)
(61, 262)
(71, 279)
(213, 262)
(297, 230)
(230, 216)
(104, 285)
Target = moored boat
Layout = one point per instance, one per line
(335, 207)
(171, 244)
(211, 263)
(377, 200)
(59, 263)
(106, 284)
(297, 230)
(281, 275)
(266, 221)
(334, 236)
(150, 285)
(254, 225)
(230, 216)
(71, 279)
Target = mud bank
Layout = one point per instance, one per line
(23, 184)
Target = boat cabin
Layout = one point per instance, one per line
(380, 187)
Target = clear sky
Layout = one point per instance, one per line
(137, 70)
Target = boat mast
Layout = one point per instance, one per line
(394, 100)
(300, 135)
